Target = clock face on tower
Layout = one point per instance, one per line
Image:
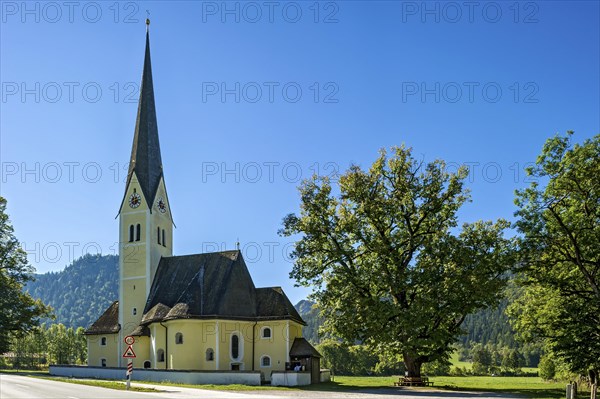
(161, 205)
(135, 200)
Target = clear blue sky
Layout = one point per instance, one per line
(484, 85)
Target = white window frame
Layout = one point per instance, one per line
(266, 357)
(103, 360)
(262, 332)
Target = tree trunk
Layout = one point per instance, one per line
(413, 365)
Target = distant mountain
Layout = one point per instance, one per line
(81, 292)
(310, 314)
(304, 307)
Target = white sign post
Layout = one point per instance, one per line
(130, 355)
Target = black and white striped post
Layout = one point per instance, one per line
(129, 373)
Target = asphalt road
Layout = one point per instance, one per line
(23, 387)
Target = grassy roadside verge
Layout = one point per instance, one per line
(101, 383)
(531, 387)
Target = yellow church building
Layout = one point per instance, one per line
(198, 312)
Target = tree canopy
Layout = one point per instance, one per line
(388, 265)
(19, 311)
(559, 219)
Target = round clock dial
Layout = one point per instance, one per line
(135, 200)
(161, 205)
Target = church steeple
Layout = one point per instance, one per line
(145, 153)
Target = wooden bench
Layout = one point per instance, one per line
(413, 382)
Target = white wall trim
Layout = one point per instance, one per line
(218, 339)
(133, 278)
(148, 251)
(287, 341)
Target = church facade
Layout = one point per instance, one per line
(197, 312)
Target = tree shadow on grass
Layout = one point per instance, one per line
(442, 391)
(547, 393)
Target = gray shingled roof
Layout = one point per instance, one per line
(272, 303)
(145, 152)
(212, 285)
(141, 331)
(302, 348)
(108, 323)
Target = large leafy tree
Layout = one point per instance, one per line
(386, 261)
(559, 218)
(19, 312)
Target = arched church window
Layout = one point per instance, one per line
(164, 242)
(265, 361)
(266, 332)
(158, 234)
(102, 362)
(179, 338)
(138, 232)
(210, 355)
(147, 364)
(160, 355)
(235, 346)
(131, 233)
(103, 341)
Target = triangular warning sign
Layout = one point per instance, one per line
(129, 352)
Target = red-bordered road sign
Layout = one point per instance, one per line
(129, 340)
(129, 352)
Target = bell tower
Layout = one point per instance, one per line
(145, 221)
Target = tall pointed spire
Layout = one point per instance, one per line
(145, 153)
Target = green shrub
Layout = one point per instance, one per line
(458, 371)
(547, 369)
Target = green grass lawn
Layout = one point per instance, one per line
(468, 365)
(533, 387)
(457, 363)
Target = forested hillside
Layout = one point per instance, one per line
(489, 326)
(80, 292)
